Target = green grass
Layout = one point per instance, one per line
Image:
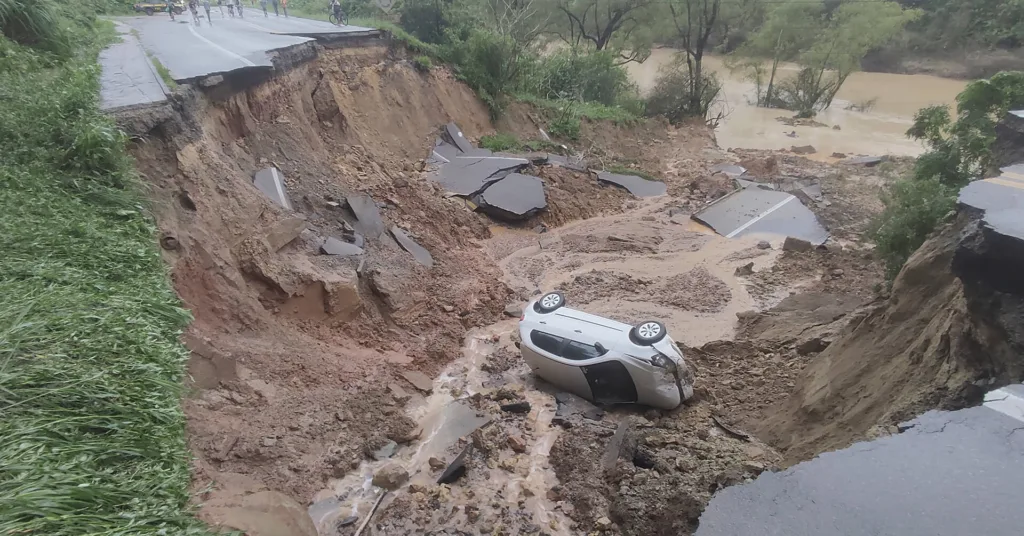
(590, 110)
(165, 74)
(92, 435)
(508, 142)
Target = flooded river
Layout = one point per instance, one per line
(881, 130)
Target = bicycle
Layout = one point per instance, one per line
(339, 18)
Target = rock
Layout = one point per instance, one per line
(342, 289)
(540, 229)
(746, 269)
(419, 380)
(436, 463)
(281, 232)
(754, 467)
(803, 149)
(385, 452)
(648, 218)
(837, 127)
(603, 523)
(418, 252)
(838, 272)
(866, 161)
(264, 513)
(513, 310)
(401, 396)
(269, 441)
(348, 521)
(333, 246)
(169, 242)
(838, 155)
(367, 215)
(516, 443)
(413, 434)
(811, 346)
(764, 244)
(796, 244)
(472, 514)
(516, 407)
(391, 476)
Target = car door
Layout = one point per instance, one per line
(549, 364)
(608, 378)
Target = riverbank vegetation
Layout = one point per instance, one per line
(959, 151)
(92, 437)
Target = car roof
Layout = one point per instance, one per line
(586, 328)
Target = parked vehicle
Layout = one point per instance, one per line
(600, 359)
(150, 8)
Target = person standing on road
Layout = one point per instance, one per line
(231, 8)
(170, 10)
(284, 7)
(263, 4)
(206, 6)
(220, 4)
(238, 7)
(274, 3)
(193, 6)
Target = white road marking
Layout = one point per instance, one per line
(192, 29)
(761, 216)
(1005, 402)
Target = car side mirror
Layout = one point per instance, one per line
(600, 347)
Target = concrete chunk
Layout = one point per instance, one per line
(453, 135)
(731, 170)
(270, 181)
(333, 246)
(637, 186)
(418, 252)
(368, 220)
(515, 197)
(467, 175)
(284, 231)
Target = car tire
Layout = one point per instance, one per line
(648, 332)
(549, 302)
(149, 11)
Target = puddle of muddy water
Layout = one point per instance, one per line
(446, 417)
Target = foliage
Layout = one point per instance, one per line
(913, 209)
(958, 152)
(576, 74)
(423, 64)
(947, 24)
(92, 437)
(671, 96)
(566, 126)
(508, 142)
(585, 110)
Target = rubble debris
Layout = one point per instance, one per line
(614, 447)
(469, 175)
(283, 231)
(457, 468)
(513, 310)
(567, 162)
(796, 244)
(746, 269)
(333, 246)
(367, 215)
(735, 432)
(758, 210)
(348, 521)
(571, 407)
(453, 135)
(813, 345)
(803, 149)
(866, 161)
(516, 407)
(419, 380)
(385, 452)
(516, 443)
(436, 463)
(732, 170)
(637, 186)
(390, 477)
(514, 197)
(270, 181)
(764, 244)
(838, 155)
(418, 252)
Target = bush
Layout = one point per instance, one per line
(593, 77)
(502, 141)
(423, 64)
(565, 126)
(674, 97)
(489, 63)
(913, 209)
(34, 23)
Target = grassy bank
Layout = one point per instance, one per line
(91, 429)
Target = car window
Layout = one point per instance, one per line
(577, 351)
(547, 342)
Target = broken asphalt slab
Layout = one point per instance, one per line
(333, 246)
(732, 170)
(270, 181)
(367, 215)
(946, 474)
(418, 252)
(515, 197)
(1000, 200)
(468, 175)
(866, 161)
(453, 135)
(638, 186)
(757, 210)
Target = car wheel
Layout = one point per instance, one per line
(149, 11)
(550, 301)
(648, 332)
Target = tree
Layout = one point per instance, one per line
(694, 21)
(623, 26)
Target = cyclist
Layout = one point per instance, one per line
(336, 9)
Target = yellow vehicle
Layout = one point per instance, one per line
(150, 8)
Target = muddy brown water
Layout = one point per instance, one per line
(881, 130)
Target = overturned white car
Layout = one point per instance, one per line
(603, 360)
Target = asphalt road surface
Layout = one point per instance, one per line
(224, 44)
(947, 474)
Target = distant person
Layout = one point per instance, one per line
(263, 4)
(170, 10)
(206, 7)
(231, 8)
(274, 3)
(238, 7)
(220, 4)
(284, 7)
(193, 6)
